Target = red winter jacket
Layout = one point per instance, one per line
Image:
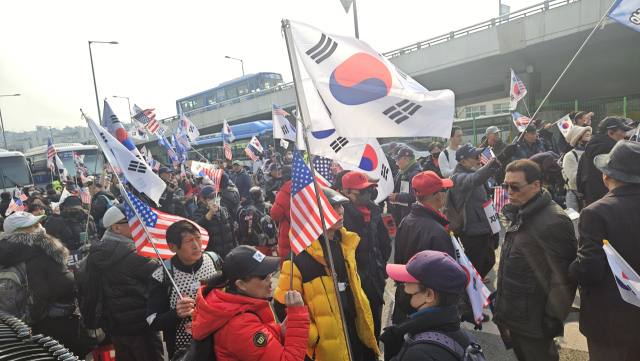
(240, 335)
(281, 212)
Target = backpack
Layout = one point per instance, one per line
(446, 154)
(196, 350)
(91, 300)
(581, 178)
(17, 298)
(457, 220)
(472, 353)
(267, 228)
(109, 205)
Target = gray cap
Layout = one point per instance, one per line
(114, 215)
(19, 220)
(622, 163)
(492, 129)
(334, 197)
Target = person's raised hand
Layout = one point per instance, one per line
(508, 152)
(213, 208)
(184, 307)
(293, 299)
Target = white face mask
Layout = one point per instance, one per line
(211, 202)
(290, 156)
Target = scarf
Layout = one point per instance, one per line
(406, 169)
(365, 212)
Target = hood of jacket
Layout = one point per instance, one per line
(216, 309)
(348, 242)
(286, 188)
(19, 247)
(599, 144)
(111, 249)
(105, 193)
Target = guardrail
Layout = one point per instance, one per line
(226, 103)
(528, 11)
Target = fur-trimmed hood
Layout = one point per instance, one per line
(18, 247)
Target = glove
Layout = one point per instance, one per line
(507, 153)
(552, 327)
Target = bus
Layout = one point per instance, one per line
(229, 90)
(14, 171)
(37, 158)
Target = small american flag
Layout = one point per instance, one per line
(500, 199)
(85, 196)
(51, 153)
(82, 176)
(145, 116)
(324, 175)
(155, 165)
(520, 121)
(250, 154)
(227, 151)
(486, 156)
(24, 197)
(278, 111)
(305, 217)
(16, 206)
(157, 224)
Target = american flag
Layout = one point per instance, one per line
(145, 116)
(157, 224)
(500, 199)
(324, 175)
(154, 165)
(520, 121)
(305, 217)
(486, 156)
(227, 150)
(278, 111)
(82, 176)
(51, 153)
(85, 196)
(250, 154)
(16, 206)
(215, 175)
(24, 197)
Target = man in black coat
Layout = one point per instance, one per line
(589, 179)
(100, 201)
(71, 224)
(243, 182)
(274, 183)
(45, 260)
(165, 203)
(402, 191)
(217, 221)
(425, 229)
(124, 279)
(229, 197)
(363, 217)
(534, 293)
(610, 323)
(433, 283)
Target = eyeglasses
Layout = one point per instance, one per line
(513, 187)
(441, 190)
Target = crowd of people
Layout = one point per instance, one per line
(218, 300)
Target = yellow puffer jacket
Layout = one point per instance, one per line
(326, 339)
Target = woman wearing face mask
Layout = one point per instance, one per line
(288, 158)
(433, 282)
(70, 226)
(363, 217)
(234, 309)
(577, 138)
(431, 161)
(216, 220)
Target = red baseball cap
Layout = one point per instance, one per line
(356, 180)
(428, 182)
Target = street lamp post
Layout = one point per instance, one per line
(129, 103)
(240, 60)
(2, 121)
(95, 87)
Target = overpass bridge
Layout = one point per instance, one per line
(537, 42)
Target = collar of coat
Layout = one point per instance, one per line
(348, 241)
(50, 245)
(110, 235)
(631, 189)
(447, 320)
(515, 213)
(420, 210)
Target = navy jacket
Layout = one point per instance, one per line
(408, 198)
(243, 182)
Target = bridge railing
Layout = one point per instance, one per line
(229, 102)
(528, 11)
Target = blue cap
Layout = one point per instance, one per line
(468, 151)
(274, 166)
(163, 170)
(207, 192)
(404, 152)
(436, 270)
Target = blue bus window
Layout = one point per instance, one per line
(211, 98)
(221, 95)
(232, 92)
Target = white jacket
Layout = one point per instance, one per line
(570, 165)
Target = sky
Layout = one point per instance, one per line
(170, 50)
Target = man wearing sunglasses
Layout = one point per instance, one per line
(425, 229)
(363, 217)
(469, 194)
(124, 277)
(534, 291)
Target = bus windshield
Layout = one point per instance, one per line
(14, 171)
(89, 161)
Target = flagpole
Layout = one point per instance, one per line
(135, 211)
(303, 106)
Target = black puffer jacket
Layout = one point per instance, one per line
(372, 252)
(4, 205)
(533, 281)
(46, 261)
(220, 228)
(271, 188)
(429, 164)
(125, 282)
(230, 199)
(587, 171)
(68, 230)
